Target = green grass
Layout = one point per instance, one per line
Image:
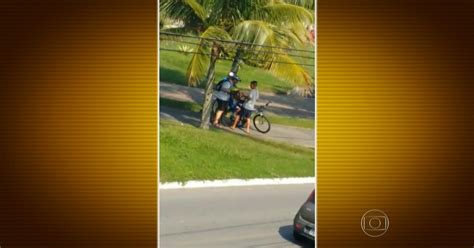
(291, 121)
(274, 119)
(173, 66)
(190, 153)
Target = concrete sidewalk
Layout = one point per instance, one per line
(197, 184)
(281, 104)
(286, 134)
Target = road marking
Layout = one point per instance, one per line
(236, 183)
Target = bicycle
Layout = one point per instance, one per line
(260, 122)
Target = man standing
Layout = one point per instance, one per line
(248, 107)
(223, 95)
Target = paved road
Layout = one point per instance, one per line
(293, 106)
(256, 216)
(292, 135)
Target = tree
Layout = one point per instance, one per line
(255, 32)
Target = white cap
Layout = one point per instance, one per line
(231, 74)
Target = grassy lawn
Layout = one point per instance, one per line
(291, 121)
(190, 153)
(274, 119)
(173, 66)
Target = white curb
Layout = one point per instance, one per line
(237, 182)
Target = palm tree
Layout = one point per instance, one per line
(263, 31)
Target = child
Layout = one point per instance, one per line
(248, 107)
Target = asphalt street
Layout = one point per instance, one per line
(253, 216)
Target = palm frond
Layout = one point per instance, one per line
(285, 67)
(294, 34)
(182, 9)
(262, 33)
(309, 4)
(285, 13)
(214, 32)
(273, 58)
(197, 67)
(197, 8)
(253, 31)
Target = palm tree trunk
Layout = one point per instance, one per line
(236, 61)
(206, 106)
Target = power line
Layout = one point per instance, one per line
(261, 61)
(235, 42)
(182, 41)
(229, 59)
(260, 51)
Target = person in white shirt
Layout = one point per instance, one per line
(248, 107)
(223, 95)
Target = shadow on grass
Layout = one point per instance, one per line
(286, 232)
(190, 106)
(288, 147)
(183, 116)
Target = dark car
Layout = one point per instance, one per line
(303, 224)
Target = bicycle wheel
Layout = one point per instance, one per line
(261, 123)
